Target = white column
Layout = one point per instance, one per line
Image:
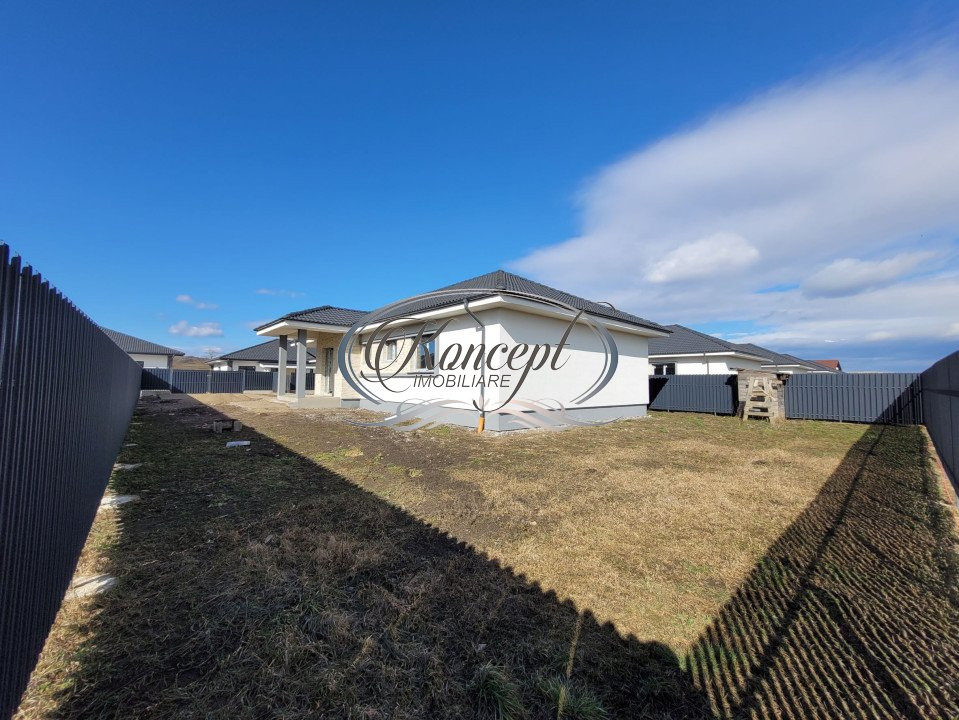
(281, 368)
(318, 385)
(300, 364)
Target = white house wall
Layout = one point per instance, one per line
(715, 366)
(627, 393)
(584, 357)
(151, 361)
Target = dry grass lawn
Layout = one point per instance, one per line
(678, 566)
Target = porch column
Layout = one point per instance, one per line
(300, 364)
(281, 368)
(318, 372)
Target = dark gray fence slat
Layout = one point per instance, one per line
(259, 380)
(940, 385)
(894, 398)
(693, 393)
(66, 396)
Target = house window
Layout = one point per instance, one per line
(426, 353)
(389, 351)
(664, 369)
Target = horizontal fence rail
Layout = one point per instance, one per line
(891, 398)
(67, 393)
(940, 388)
(693, 393)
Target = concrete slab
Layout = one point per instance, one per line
(86, 585)
(112, 501)
(155, 393)
(126, 466)
(311, 401)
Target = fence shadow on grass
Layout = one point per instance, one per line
(259, 583)
(853, 610)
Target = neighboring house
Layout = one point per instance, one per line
(833, 365)
(260, 357)
(689, 352)
(505, 318)
(785, 364)
(147, 354)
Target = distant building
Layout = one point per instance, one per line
(146, 354)
(834, 364)
(263, 356)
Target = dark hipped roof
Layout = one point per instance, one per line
(267, 352)
(782, 359)
(130, 344)
(323, 315)
(502, 280)
(685, 341)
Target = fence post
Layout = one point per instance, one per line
(242, 381)
(209, 381)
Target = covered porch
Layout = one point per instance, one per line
(321, 330)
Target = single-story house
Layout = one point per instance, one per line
(146, 354)
(262, 356)
(785, 364)
(689, 352)
(505, 311)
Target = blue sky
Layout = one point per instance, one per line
(184, 170)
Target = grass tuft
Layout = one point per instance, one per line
(571, 701)
(498, 693)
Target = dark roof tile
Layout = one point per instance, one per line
(684, 341)
(502, 280)
(130, 344)
(267, 352)
(322, 315)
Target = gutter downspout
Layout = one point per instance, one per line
(481, 421)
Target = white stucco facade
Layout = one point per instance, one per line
(152, 361)
(706, 364)
(508, 324)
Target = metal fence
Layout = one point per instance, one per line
(892, 398)
(217, 381)
(67, 393)
(940, 387)
(259, 380)
(194, 381)
(693, 393)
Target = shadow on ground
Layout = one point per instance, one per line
(852, 612)
(254, 582)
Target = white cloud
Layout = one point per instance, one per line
(206, 329)
(190, 300)
(841, 185)
(848, 276)
(284, 293)
(708, 257)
